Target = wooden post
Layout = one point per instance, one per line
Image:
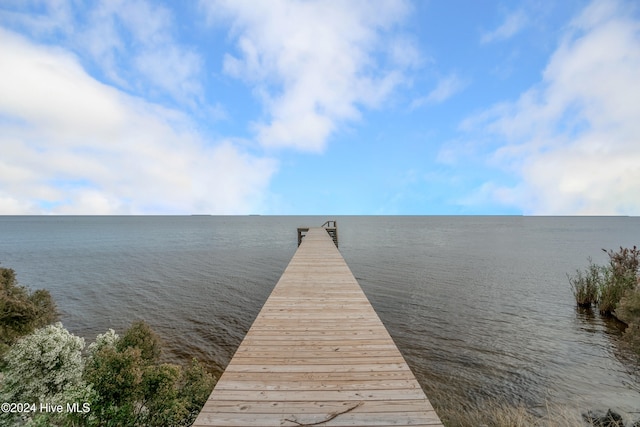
(302, 231)
(332, 229)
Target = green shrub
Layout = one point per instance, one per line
(115, 375)
(586, 286)
(621, 275)
(615, 288)
(606, 285)
(119, 377)
(629, 312)
(45, 363)
(160, 388)
(43, 367)
(624, 262)
(133, 388)
(141, 336)
(612, 290)
(629, 308)
(195, 387)
(21, 312)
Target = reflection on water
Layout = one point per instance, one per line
(479, 306)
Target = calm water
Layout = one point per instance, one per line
(479, 306)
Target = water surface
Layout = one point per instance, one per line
(479, 306)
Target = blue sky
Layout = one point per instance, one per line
(320, 107)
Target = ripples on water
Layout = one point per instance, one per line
(479, 306)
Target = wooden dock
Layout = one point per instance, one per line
(317, 354)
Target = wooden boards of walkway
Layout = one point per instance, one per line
(317, 354)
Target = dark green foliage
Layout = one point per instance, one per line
(196, 386)
(141, 336)
(121, 377)
(160, 389)
(21, 312)
(134, 389)
(45, 307)
(115, 375)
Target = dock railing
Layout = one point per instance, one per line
(330, 226)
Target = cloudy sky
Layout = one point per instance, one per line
(320, 107)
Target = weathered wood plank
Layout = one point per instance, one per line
(293, 352)
(319, 385)
(344, 369)
(317, 351)
(325, 343)
(424, 418)
(312, 377)
(327, 406)
(319, 395)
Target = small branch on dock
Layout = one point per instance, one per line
(329, 418)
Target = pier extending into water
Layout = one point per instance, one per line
(317, 354)
(330, 226)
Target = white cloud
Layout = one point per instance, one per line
(173, 70)
(513, 24)
(574, 139)
(71, 144)
(131, 43)
(445, 89)
(49, 17)
(314, 64)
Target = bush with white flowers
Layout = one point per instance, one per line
(42, 365)
(120, 380)
(106, 340)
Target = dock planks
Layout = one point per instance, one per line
(317, 354)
